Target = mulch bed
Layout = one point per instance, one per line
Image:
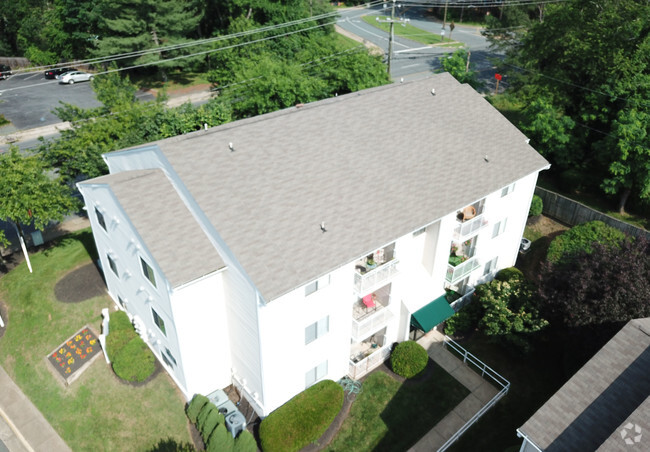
(81, 284)
(73, 356)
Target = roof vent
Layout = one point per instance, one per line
(322, 226)
(486, 158)
(231, 146)
(433, 91)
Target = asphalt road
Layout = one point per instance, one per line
(412, 60)
(28, 100)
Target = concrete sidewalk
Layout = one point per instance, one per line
(23, 428)
(481, 393)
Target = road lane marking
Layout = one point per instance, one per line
(412, 49)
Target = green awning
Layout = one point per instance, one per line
(432, 314)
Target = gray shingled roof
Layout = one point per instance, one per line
(373, 165)
(610, 391)
(166, 226)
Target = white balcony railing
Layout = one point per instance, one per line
(463, 301)
(470, 227)
(363, 283)
(361, 368)
(370, 324)
(455, 274)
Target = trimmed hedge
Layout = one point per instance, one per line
(508, 274)
(303, 419)
(409, 359)
(135, 362)
(208, 410)
(245, 442)
(580, 238)
(536, 206)
(195, 406)
(120, 333)
(220, 441)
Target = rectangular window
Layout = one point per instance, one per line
(317, 329)
(317, 373)
(490, 266)
(100, 218)
(113, 265)
(507, 190)
(169, 358)
(317, 285)
(147, 271)
(160, 323)
(419, 231)
(499, 228)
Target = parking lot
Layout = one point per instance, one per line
(29, 99)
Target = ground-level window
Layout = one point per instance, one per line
(160, 323)
(100, 218)
(499, 228)
(317, 285)
(317, 329)
(490, 266)
(317, 373)
(112, 264)
(169, 358)
(147, 271)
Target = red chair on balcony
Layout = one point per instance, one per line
(369, 302)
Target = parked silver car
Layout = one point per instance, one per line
(74, 76)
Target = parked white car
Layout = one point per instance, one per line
(74, 76)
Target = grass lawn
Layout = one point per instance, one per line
(96, 412)
(392, 416)
(407, 31)
(176, 79)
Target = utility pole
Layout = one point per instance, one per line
(469, 54)
(391, 34)
(444, 19)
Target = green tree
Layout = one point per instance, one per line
(29, 194)
(581, 238)
(459, 66)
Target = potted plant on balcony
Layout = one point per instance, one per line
(370, 262)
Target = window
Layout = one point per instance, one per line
(121, 301)
(100, 218)
(317, 285)
(315, 374)
(112, 264)
(160, 323)
(507, 190)
(499, 228)
(317, 329)
(147, 271)
(490, 266)
(169, 358)
(419, 231)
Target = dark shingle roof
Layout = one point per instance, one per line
(166, 226)
(592, 408)
(373, 165)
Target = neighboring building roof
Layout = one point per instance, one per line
(166, 226)
(594, 406)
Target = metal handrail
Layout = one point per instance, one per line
(485, 369)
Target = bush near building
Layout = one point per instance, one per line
(120, 333)
(134, 362)
(409, 359)
(536, 206)
(581, 237)
(303, 419)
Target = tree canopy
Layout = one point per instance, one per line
(582, 238)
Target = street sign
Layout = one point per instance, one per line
(497, 76)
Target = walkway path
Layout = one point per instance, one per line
(22, 427)
(481, 393)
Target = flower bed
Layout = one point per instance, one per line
(71, 358)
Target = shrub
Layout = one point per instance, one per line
(203, 417)
(195, 406)
(536, 206)
(120, 333)
(509, 274)
(213, 419)
(221, 440)
(245, 442)
(409, 359)
(135, 362)
(461, 322)
(580, 238)
(303, 419)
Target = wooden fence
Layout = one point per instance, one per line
(572, 213)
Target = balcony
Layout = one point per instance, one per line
(460, 271)
(367, 320)
(368, 354)
(470, 221)
(375, 269)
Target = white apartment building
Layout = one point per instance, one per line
(283, 249)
